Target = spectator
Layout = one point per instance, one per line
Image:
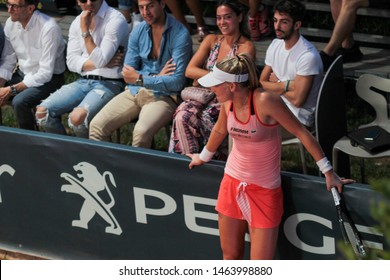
(158, 53)
(342, 41)
(259, 21)
(293, 67)
(97, 38)
(2, 38)
(128, 9)
(196, 9)
(2, 42)
(37, 48)
(250, 197)
(194, 118)
(6, 53)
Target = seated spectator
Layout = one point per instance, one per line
(37, 48)
(97, 38)
(195, 118)
(6, 52)
(196, 9)
(128, 9)
(158, 53)
(2, 41)
(259, 19)
(2, 38)
(342, 41)
(293, 67)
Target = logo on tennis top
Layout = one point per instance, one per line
(6, 168)
(90, 184)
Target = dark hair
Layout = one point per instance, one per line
(32, 2)
(238, 9)
(295, 8)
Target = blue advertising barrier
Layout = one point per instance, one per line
(63, 197)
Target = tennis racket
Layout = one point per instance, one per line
(348, 228)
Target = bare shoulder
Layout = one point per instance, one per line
(267, 100)
(247, 45)
(267, 105)
(210, 40)
(264, 96)
(245, 40)
(206, 45)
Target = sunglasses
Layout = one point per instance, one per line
(14, 6)
(85, 1)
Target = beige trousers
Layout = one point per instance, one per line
(152, 113)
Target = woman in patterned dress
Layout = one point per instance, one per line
(193, 121)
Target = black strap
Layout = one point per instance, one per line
(100, 78)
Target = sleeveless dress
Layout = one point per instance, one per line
(256, 150)
(193, 121)
(251, 186)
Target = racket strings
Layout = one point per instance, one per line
(342, 227)
(348, 229)
(353, 237)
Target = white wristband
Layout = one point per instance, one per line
(206, 155)
(324, 165)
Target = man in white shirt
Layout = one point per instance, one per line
(293, 67)
(37, 48)
(97, 39)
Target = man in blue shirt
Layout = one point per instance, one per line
(158, 52)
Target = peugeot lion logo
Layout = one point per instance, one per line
(90, 184)
(9, 170)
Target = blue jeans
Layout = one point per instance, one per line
(88, 94)
(26, 100)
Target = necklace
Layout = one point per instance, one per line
(243, 105)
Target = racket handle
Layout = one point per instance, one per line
(336, 196)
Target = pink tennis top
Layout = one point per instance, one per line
(255, 155)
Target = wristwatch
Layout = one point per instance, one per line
(13, 91)
(140, 80)
(85, 34)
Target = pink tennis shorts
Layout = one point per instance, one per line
(261, 207)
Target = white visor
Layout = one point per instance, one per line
(218, 76)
